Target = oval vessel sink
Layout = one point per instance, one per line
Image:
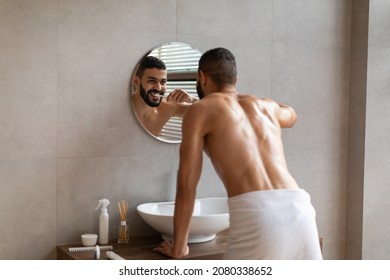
(210, 216)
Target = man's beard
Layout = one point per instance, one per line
(199, 90)
(145, 96)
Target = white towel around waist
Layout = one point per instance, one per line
(273, 225)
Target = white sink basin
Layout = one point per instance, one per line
(210, 217)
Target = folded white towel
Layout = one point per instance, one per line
(273, 225)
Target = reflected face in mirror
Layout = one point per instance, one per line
(151, 78)
(162, 93)
(153, 89)
(151, 108)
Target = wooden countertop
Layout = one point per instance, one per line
(141, 248)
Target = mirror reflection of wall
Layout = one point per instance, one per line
(163, 85)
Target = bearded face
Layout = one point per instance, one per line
(152, 86)
(151, 97)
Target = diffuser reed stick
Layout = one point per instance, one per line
(123, 231)
(123, 209)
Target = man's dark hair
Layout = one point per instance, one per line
(148, 63)
(220, 65)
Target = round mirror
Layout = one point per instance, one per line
(163, 86)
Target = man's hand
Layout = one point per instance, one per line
(180, 96)
(167, 248)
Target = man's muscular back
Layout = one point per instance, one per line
(243, 140)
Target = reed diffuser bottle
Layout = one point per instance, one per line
(124, 227)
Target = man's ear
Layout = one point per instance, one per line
(136, 82)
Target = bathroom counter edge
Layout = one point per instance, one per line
(141, 248)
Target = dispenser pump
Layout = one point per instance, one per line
(103, 220)
(104, 204)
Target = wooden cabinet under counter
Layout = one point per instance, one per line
(141, 248)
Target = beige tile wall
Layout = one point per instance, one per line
(68, 137)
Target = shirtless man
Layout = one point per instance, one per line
(149, 105)
(270, 216)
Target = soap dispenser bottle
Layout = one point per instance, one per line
(103, 220)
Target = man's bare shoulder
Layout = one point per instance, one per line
(202, 111)
(198, 108)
